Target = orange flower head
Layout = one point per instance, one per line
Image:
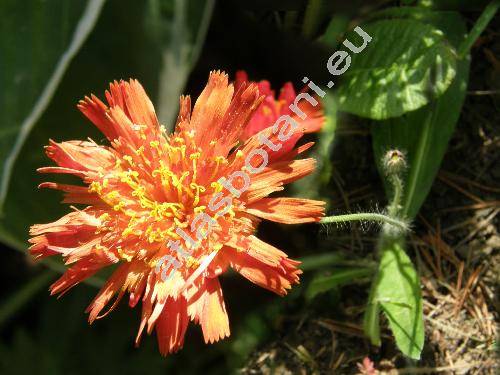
(272, 108)
(171, 213)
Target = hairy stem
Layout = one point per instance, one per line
(395, 205)
(366, 216)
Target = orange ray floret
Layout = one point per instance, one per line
(144, 196)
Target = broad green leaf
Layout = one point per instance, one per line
(397, 291)
(450, 23)
(459, 5)
(337, 278)
(405, 66)
(38, 40)
(181, 27)
(424, 134)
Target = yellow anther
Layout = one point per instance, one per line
(104, 217)
(199, 209)
(171, 232)
(124, 255)
(95, 187)
(216, 186)
(99, 249)
(156, 146)
(119, 206)
(220, 159)
(197, 189)
(129, 159)
(180, 224)
(127, 231)
(192, 262)
(195, 186)
(112, 195)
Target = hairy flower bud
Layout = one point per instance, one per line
(394, 162)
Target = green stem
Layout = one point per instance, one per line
(395, 205)
(481, 23)
(366, 216)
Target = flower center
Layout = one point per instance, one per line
(155, 190)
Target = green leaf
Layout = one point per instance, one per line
(38, 40)
(405, 66)
(181, 26)
(397, 291)
(338, 277)
(460, 5)
(371, 319)
(314, 262)
(424, 134)
(450, 23)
